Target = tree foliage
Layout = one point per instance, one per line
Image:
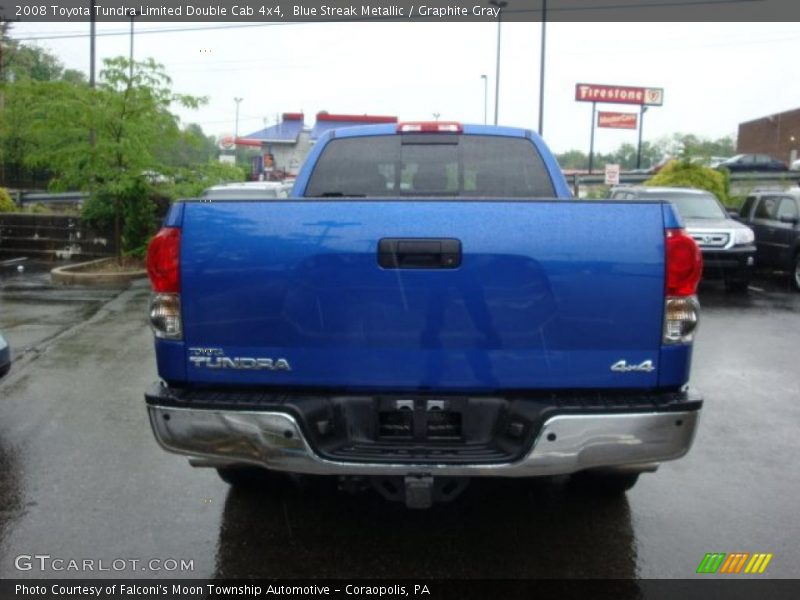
(21, 67)
(107, 141)
(191, 147)
(121, 141)
(6, 203)
(22, 61)
(678, 145)
(692, 146)
(683, 173)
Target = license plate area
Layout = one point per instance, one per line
(419, 420)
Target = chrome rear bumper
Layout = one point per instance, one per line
(565, 444)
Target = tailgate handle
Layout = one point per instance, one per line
(419, 253)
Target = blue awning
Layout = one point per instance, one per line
(283, 132)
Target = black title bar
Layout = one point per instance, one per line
(400, 10)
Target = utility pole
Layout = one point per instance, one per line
(236, 125)
(4, 25)
(3, 29)
(92, 43)
(92, 53)
(541, 67)
(591, 139)
(236, 129)
(501, 4)
(642, 110)
(130, 72)
(485, 96)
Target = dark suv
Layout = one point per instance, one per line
(774, 217)
(727, 245)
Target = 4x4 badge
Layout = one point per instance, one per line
(623, 367)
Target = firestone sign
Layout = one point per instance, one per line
(618, 94)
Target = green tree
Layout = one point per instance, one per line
(191, 147)
(624, 155)
(21, 67)
(20, 61)
(682, 145)
(573, 159)
(131, 120)
(14, 117)
(31, 62)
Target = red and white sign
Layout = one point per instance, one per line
(612, 175)
(227, 142)
(618, 94)
(617, 120)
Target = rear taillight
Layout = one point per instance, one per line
(429, 127)
(164, 260)
(163, 268)
(684, 263)
(684, 267)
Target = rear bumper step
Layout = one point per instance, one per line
(562, 444)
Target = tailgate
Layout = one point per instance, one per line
(548, 294)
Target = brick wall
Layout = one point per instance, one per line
(777, 135)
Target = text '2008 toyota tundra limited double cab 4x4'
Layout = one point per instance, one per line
(429, 305)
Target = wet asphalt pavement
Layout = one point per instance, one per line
(82, 477)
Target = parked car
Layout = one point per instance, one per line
(435, 308)
(727, 245)
(753, 162)
(716, 161)
(5, 356)
(774, 217)
(249, 190)
(795, 166)
(665, 160)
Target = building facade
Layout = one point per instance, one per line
(777, 135)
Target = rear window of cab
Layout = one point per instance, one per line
(430, 165)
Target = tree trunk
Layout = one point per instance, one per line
(117, 229)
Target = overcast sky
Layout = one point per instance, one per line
(715, 75)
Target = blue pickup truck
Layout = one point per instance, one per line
(428, 306)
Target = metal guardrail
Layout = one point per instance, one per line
(599, 179)
(575, 180)
(741, 183)
(24, 198)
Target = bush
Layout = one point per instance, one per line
(682, 173)
(6, 203)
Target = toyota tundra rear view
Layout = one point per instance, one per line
(429, 305)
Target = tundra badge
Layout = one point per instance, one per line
(214, 358)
